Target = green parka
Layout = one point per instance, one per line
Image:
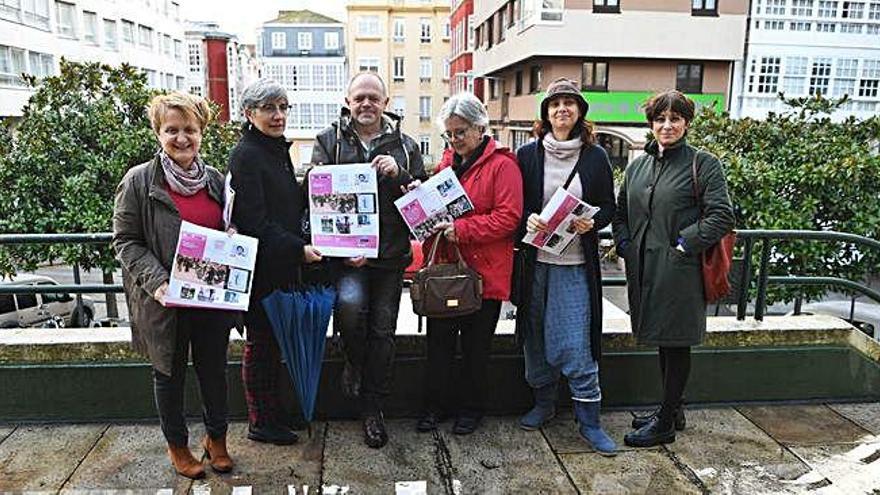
(655, 207)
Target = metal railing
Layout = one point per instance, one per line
(742, 274)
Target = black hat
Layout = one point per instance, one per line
(564, 87)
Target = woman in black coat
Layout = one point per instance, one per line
(269, 205)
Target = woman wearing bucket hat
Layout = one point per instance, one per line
(559, 314)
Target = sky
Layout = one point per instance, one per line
(243, 18)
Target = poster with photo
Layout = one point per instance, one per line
(559, 212)
(344, 210)
(439, 199)
(211, 269)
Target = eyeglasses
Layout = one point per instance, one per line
(457, 134)
(271, 108)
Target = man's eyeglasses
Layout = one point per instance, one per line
(271, 108)
(457, 134)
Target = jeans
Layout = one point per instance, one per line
(476, 332)
(367, 303)
(558, 339)
(195, 331)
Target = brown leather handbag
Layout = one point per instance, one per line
(446, 290)
(716, 259)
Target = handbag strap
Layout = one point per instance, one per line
(433, 253)
(570, 176)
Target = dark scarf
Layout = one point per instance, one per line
(460, 165)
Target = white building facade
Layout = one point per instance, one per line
(811, 47)
(36, 34)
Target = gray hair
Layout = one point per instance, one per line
(465, 106)
(260, 91)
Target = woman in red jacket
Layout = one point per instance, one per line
(491, 177)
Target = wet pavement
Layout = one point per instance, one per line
(823, 449)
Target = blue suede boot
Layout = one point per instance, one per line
(587, 414)
(544, 410)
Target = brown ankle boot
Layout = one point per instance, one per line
(217, 454)
(185, 463)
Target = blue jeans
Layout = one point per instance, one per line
(558, 336)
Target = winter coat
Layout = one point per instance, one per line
(146, 226)
(656, 207)
(486, 235)
(269, 205)
(597, 184)
(339, 144)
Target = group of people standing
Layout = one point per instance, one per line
(659, 226)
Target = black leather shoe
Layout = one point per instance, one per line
(650, 435)
(374, 431)
(272, 433)
(465, 425)
(680, 420)
(430, 421)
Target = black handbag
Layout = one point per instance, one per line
(446, 290)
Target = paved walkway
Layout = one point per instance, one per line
(744, 449)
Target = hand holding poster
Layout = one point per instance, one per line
(344, 210)
(441, 198)
(211, 269)
(559, 212)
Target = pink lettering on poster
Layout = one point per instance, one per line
(341, 241)
(192, 245)
(321, 184)
(414, 213)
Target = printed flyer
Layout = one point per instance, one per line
(211, 269)
(344, 210)
(439, 199)
(559, 212)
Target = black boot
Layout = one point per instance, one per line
(679, 420)
(659, 430)
(375, 435)
(272, 433)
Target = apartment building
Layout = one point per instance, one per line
(461, 75)
(305, 52)
(215, 70)
(811, 47)
(621, 52)
(35, 34)
(407, 42)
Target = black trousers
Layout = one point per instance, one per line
(475, 331)
(675, 368)
(197, 331)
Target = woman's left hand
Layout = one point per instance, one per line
(386, 165)
(447, 229)
(582, 225)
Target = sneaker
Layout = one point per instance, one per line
(375, 435)
(465, 425)
(272, 433)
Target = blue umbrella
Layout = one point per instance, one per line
(299, 321)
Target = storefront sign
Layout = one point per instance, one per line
(626, 106)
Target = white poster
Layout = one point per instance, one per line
(344, 210)
(211, 269)
(559, 212)
(439, 199)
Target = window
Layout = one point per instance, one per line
(800, 26)
(606, 6)
(764, 79)
(34, 13)
(90, 27)
(368, 64)
(26, 301)
(175, 11)
(874, 11)
(167, 45)
(447, 66)
(279, 41)
(471, 35)
(493, 89)
(594, 76)
(7, 304)
(178, 50)
(704, 7)
(853, 10)
(446, 29)
(844, 87)
(870, 83)
(195, 57)
(489, 30)
(128, 32)
(398, 105)
(331, 41)
(41, 64)
(145, 36)
(551, 10)
(425, 69)
(425, 144)
(319, 80)
(368, 25)
(826, 27)
(851, 28)
(689, 78)
(802, 8)
(820, 76)
(774, 25)
(519, 138)
(399, 33)
(304, 41)
(828, 8)
(397, 69)
(774, 7)
(534, 79)
(179, 85)
(425, 29)
(110, 34)
(424, 108)
(65, 19)
(794, 82)
(518, 83)
(169, 81)
(501, 25)
(12, 65)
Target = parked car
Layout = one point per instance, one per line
(29, 310)
(865, 317)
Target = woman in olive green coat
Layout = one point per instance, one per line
(660, 233)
